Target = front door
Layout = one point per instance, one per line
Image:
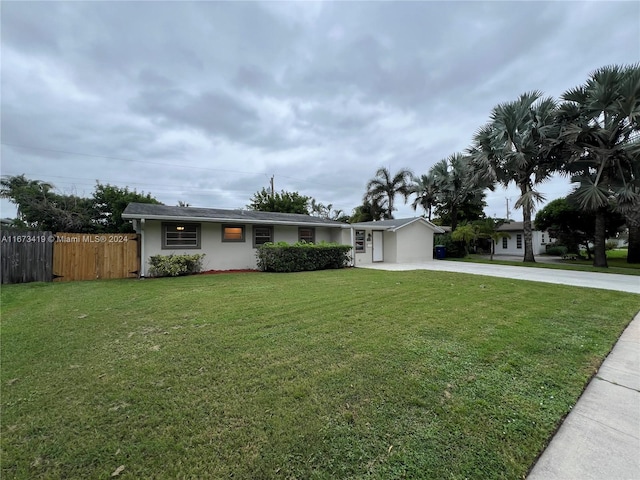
(378, 255)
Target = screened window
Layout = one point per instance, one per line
(504, 242)
(306, 235)
(180, 235)
(262, 235)
(360, 248)
(519, 241)
(233, 233)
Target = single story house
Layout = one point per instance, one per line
(401, 240)
(229, 238)
(515, 244)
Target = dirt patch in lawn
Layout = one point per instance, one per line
(217, 272)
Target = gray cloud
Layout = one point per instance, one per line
(204, 101)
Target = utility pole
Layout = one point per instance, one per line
(507, 199)
(273, 192)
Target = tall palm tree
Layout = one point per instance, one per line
(455, 185)
(601, 131)
(426, 192)
(514, 148)
(383, 188)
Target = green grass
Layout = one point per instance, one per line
(617, 263)
(322, 375)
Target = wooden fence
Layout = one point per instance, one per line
(81, 256)
(44, 256)
(26, 256)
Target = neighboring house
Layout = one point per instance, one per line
(229, 238)
(515, 244)
(400, 240)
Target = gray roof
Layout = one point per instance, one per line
(394, 224)
(511, 227)
(168, 213)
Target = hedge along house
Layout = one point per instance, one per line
(403, 240)
(228, 238)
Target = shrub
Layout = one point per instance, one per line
(175, 265)
(611, 245)
(557, 250)
(299, 257)
(454, 249)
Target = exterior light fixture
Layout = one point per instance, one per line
(180, 228)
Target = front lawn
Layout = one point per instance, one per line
(319, 375)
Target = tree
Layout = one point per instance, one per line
(457, 190)
(466, 234)
(383, 188)
(110, 201)
(514, 147)
(600, 131)
(283, 202)
(426, 192)
(368, 212)
(327, 212)
(573, 226)
(488, 229)
(39, 207)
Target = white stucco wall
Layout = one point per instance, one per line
(414, 243)
(221, 255)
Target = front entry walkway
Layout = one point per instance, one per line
(606, 281)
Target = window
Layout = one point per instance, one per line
(233, 233)
(306, 234)
(360, 241)
(262, 235)
(518, 241)
(543, 238)
(180, 235)
(504, 242)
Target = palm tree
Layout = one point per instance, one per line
(28, 195)
(426, 193)
(514, 148)
(383, 188)
(601, 131)
(455, 185)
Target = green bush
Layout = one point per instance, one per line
(454, 249)
(299, 257)
(557, 250)
(611, 245)
(175, 265)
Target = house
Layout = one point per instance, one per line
(402, 240)
(515, 244)
(229, 238)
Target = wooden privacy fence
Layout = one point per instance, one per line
(26, 256)
(81, 256)
(44, 256)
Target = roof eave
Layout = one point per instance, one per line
(173, 218)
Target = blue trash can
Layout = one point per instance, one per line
(441, 251)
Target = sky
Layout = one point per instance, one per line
(205, 102)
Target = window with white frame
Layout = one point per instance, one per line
(262, 235)
(505, 243)
(180, 235)
(519, 240)
(307, 234)
(360, 245)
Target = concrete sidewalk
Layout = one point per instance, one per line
(606, 281)
(600, 438)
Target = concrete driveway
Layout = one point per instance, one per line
(605, 281)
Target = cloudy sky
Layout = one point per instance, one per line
(203, 102)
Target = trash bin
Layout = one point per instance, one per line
(441, 251)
